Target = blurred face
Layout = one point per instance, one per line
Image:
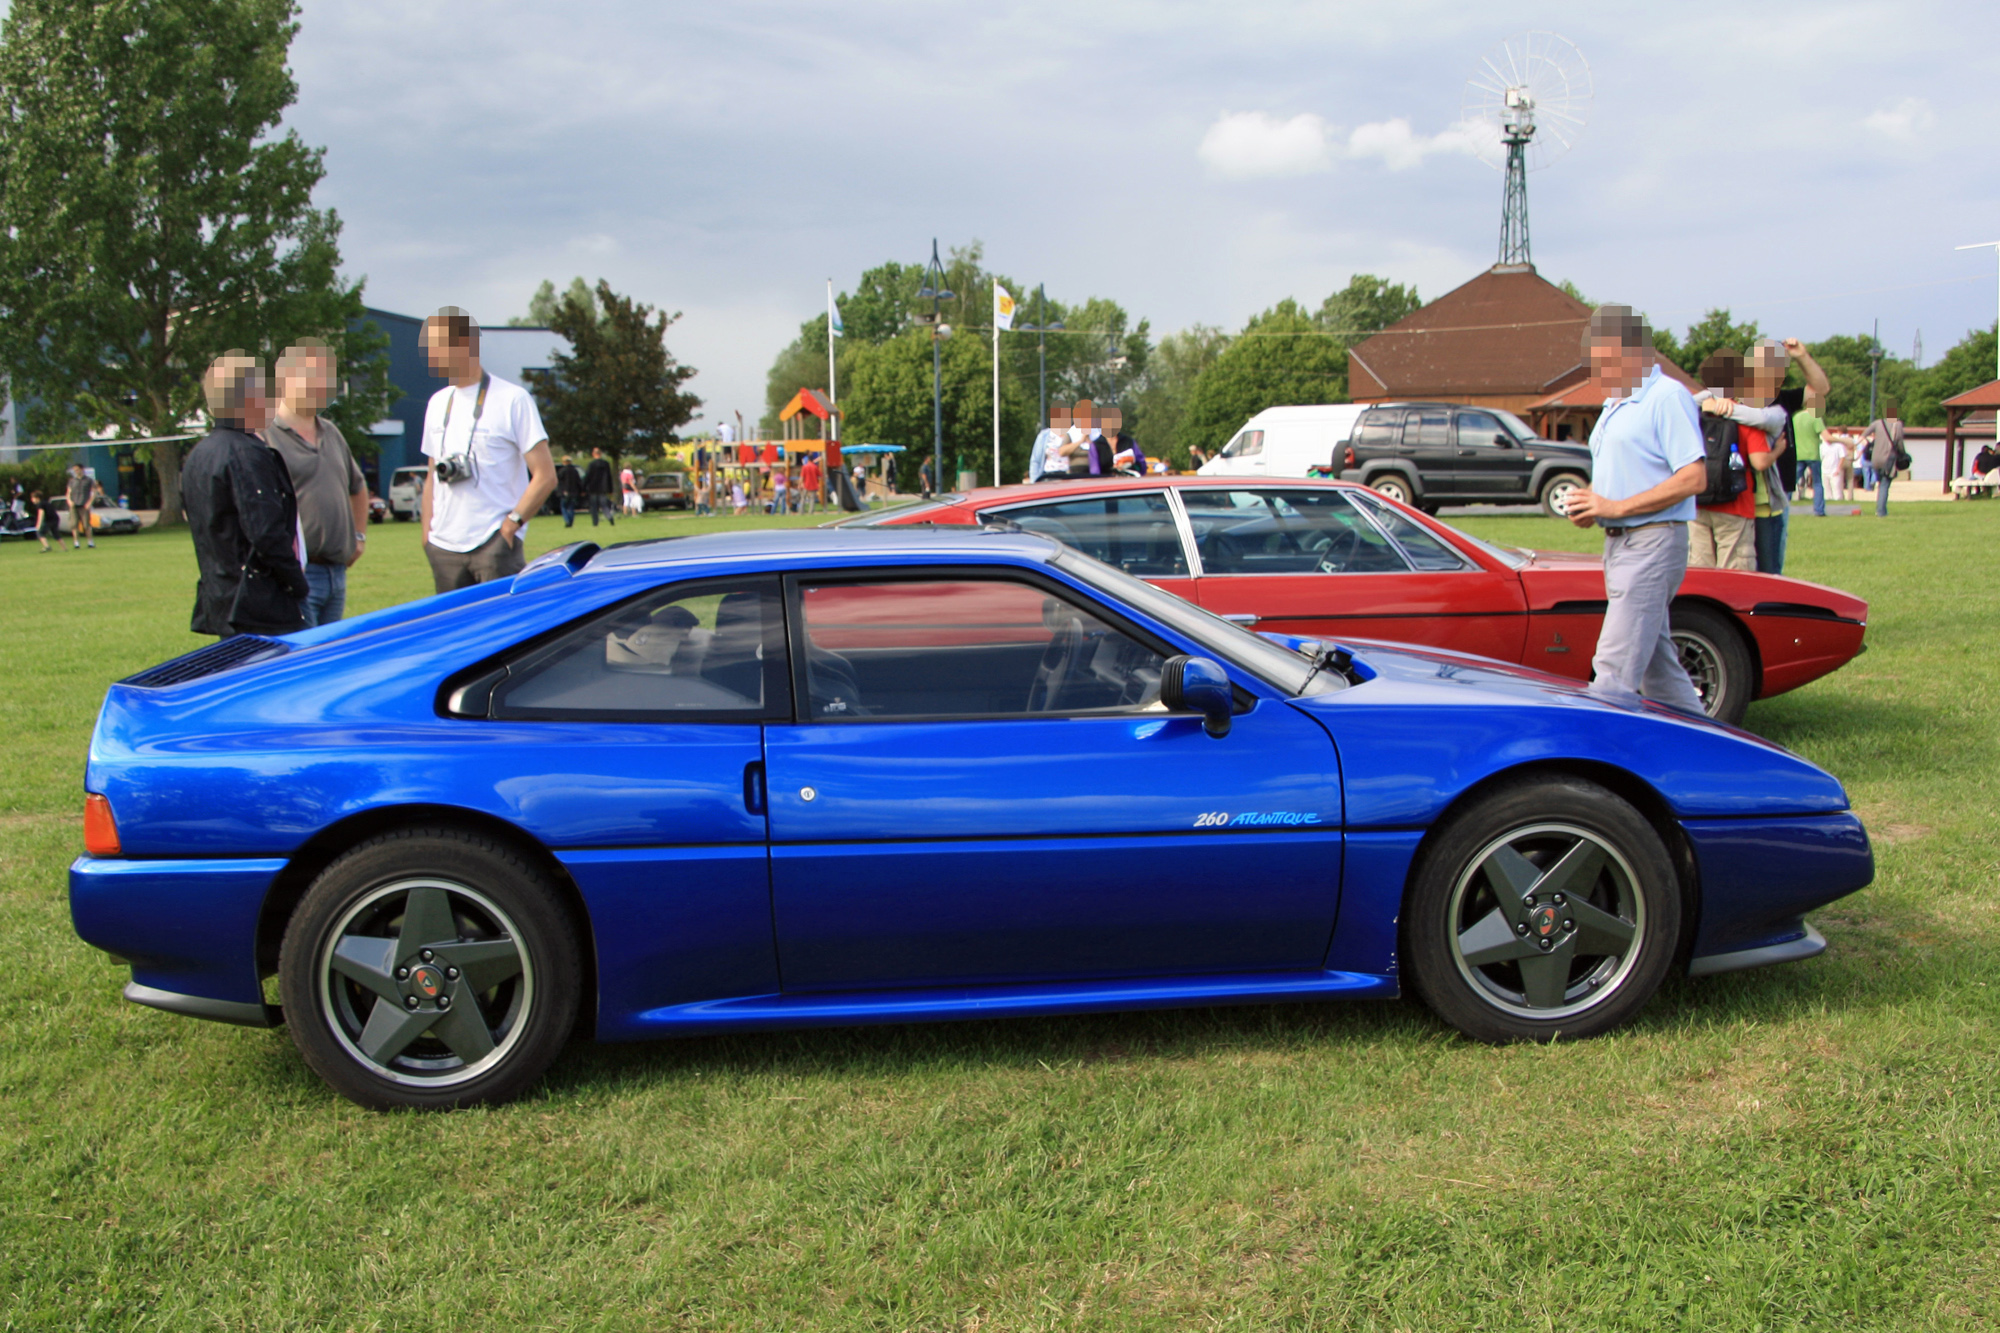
(1616, 369)
(448, 359)
(1110, 421)
(305, 385)
(1766, 374)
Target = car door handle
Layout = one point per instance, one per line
(1243, 618)
(753, 787)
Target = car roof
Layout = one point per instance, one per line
(987, 496)
(791, 544)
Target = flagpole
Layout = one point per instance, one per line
(832, 386)
(996, 384)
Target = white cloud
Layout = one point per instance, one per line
(1909, 119)
(1401, 148)
(1250, 143)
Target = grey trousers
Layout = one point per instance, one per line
(490, 560)
(1643, 568)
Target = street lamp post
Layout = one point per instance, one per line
(934, 290)
(1042, 328)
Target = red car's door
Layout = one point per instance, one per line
(1324, 561)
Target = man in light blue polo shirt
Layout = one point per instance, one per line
(1647, 464)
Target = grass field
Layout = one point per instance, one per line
(1813, 1146)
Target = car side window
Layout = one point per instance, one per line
(1428, 430)
(1478, 429)
(1425, 551)
(703, 651)
(1136, 533)
(907, 649)
(1273, 531)
(1378, 430)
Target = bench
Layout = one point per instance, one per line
(1975, 488)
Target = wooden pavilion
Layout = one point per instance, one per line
(1958, 412)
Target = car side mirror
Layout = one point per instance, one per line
(1504, 440)
(1198, 685)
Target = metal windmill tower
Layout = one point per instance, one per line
(1527, 103)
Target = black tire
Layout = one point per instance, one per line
(402, 517)
(1555, 488)
(1717, 660)
(1546, 909)
(1430, 509)
(1394, 486)
(495, 919)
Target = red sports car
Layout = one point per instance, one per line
(1327, 558)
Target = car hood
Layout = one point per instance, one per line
(1425, 726)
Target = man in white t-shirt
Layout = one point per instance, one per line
(490, 468)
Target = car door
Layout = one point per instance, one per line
(1332, 561)
(1428, 443)
(981, 788)
(1136, 531)
(632, 746)
(1491, 464)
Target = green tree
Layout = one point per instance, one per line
(1966, 366)
(889, 402)
(545, 303)
(1365, 306)
(1161, 403)
(152, 213)
(618, 388)
(1846, 362)
(1282, 357)
(1716, 331)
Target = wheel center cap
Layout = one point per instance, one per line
(1543, 921)
(427, 982)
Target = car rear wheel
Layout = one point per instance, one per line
(1547, 909)
(427, 969)
(1713, 653)
(1555, 493)
(1394, 487)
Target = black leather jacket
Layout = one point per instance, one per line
(245, 518)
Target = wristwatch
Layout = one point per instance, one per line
(360, 536)
(515, 518)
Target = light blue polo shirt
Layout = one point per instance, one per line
(1643, 439)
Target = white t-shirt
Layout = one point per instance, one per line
(465, 514)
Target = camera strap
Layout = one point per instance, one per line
(478, 406)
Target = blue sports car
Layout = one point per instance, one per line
(762, 780)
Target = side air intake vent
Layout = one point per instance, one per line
(224, 656)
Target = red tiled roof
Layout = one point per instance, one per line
(1508, 331)
(1986, 395)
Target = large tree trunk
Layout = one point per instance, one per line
(167, 462)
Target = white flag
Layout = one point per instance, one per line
(1003, 307)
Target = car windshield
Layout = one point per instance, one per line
(1521, 429)
(1278, 667)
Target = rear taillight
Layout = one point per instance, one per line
(1349, 456)
(100, 830)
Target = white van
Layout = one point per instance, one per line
(1285, 441)
(406, 492)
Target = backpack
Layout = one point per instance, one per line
(1727, 476)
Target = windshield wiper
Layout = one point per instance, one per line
(1338, 658)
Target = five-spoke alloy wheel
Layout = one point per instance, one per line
(1548, 908)
(429, 969)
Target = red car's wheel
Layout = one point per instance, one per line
(1717, 661)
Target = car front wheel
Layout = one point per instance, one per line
(429, 969)
(1547, 909)
(1394, 487)
(1716, 660)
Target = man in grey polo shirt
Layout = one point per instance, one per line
(1647, 465)
(333, 495)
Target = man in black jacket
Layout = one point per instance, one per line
(569, 490)
(598, 485)
(245, 518)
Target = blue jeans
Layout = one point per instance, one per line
(1882, 494)
(1771, 543)
(326, 593)
(1809, 467)
(568, 511)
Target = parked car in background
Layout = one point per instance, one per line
(1329, 558)
(1286, 442)
(110, 515)
(756, 780)
(665, 490)
(378, 508)
(406, 492)
(1435, 454)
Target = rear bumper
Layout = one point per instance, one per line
(1809, 944)
(1760, 876)
(188, 927)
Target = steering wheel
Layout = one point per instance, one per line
(1064, 648)
(1335, 553)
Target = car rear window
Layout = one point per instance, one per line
(1378, 430)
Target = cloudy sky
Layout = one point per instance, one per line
(1195, 161)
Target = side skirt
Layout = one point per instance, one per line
(1809, 945)
(197, 1006)
(847, 1008)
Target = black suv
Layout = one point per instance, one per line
(1435, 454)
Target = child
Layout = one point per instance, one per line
(47, 525)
